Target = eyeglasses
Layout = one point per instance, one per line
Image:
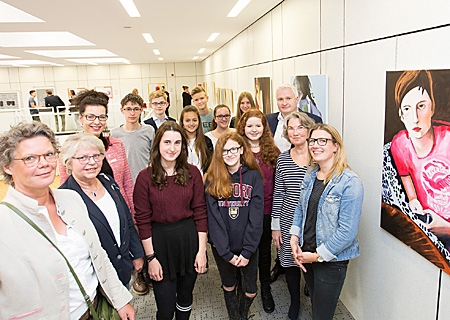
(223, 116)
(86, 159)
(132, 109)
(33, 159)
(299, 128)
(92, 117)
(162, 103)
(234, 150)
(320, 141)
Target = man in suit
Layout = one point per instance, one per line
(158, 102)
(55, 101)
(287, 101)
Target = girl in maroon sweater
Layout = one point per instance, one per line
(254, 128)
(172, 222)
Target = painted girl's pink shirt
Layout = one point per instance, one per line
(430, 174)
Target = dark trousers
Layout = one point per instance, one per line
(265, 252)
(171, 295)
(325, 281)
(293, 283)
(228, 272)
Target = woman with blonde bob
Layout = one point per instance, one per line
(253, 127)
(234, 198)
(322, 244)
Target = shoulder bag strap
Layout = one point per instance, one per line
(35, 227)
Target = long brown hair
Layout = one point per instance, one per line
(219, 178)
(218, 107)
(200, 141)
(268, 151)
(159, 176)
(239, 112)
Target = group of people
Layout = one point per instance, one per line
(157, 193)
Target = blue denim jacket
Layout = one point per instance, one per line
(338, 215)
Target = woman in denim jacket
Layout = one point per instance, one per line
(325, 225)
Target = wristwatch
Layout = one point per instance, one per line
(319, 258)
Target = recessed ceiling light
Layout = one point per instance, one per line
(99, 60)
(73, 53)
(26, 63)
(201, 50)
(238, 7)
(195, 58)
(10, 14)
(41, 39)
(4, 56)
(156, 52)
(130, 8)
(160, 59)
(148, 37)
(213, 37)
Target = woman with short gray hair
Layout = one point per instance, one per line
(28, 160)
(82, 155)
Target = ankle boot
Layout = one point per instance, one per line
(244, 306)
(232, 303)
(267, 299)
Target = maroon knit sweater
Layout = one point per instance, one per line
(171, 204)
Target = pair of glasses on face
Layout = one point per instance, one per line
(223, 116)
(320, 141)
(234, 150)
(92, 117)
(33, 159)
(86, 159)
(162, 104)
(293, 129)
(132, 109)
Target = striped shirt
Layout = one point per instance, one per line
(288, 177)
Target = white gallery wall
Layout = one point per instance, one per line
(354, 42)
(122, 79)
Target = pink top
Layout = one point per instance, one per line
(430, 174)
(117, 159)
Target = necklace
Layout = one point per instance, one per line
(254, 147)
(94, 193)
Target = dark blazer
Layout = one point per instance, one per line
(130, 248)
(54, 101)
(272, 119)
(151, 122)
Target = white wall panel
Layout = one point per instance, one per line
(374, 19)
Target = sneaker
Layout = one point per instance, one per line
(139, 285)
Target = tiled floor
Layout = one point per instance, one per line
(208, 297)
(209, 302)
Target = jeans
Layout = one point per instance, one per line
(248, 273)
(325, 281)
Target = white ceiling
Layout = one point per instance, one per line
(179, 27)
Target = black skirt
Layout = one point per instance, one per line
(176, 246)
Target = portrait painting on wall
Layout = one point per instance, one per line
(416, 162)
(9, 100)
(313, 94)
(263, 95)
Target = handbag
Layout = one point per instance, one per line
(105, 311)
